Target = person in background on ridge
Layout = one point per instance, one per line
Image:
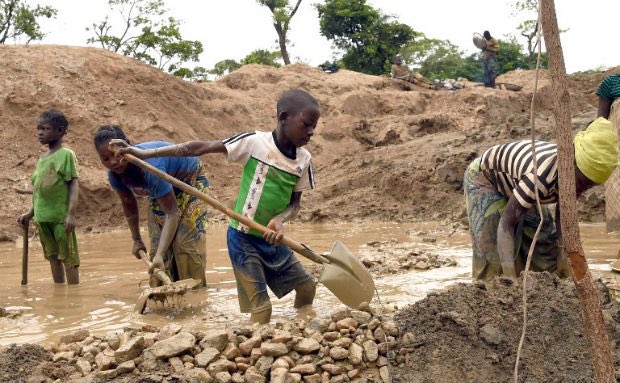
(608, 91)
(402, 72)
(489, 63)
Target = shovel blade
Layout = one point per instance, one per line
(346, 277)
(615, 266)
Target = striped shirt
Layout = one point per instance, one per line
(609, 89)
(510, 168)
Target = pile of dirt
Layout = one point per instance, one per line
(19, 361)
(470, 333)
(398, 154)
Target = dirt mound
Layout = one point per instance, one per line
(470, 333)
(18, 362)
(380, 153)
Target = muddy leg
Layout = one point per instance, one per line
(73, 274)
(304, 294)
(58, 270)
(261, 317)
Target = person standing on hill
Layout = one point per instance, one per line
(54, 199)
(500, 198)
(276, 170)
(176, 220)
(489, 57)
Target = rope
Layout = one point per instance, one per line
(387, 344)
(538, 206)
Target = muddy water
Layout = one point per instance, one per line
(111, 280)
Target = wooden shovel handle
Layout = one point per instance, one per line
(159, 273)
(294, 245)
(25, 255)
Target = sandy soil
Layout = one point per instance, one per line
(381, 153)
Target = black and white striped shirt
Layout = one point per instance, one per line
(510, 168)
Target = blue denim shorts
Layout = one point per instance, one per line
(258, 264)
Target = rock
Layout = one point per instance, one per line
(347, 324)
(384, 373)
(280, 363)
(237, 378)
(83, 366)
(316, 378)
(113, 339)
(491, 334)
(340, 314)
(198, 375)
(130, 350)
(207, 356)
(279, 375)
(422, 266)
(76, 336)
(281, 337)
(250, 344)
(307, 345)
(105, 375)
(371, 350)
(273, 349)
(223, 377)
(332, 369)
(231, 352)
(125, 367)
(90, 349)
(217, 340)
(361, 317)
(177, 364)
(353, 373)
(66, 356)
(343, 342)
(173, 346)
(187, 358)
(331, 336)
(103, 362)
(167, 331)
(221, 365)
(382, 361)
(338, 353)
(304, 369)
(316, 325)
(263, 364)
(252, 375)
(373, 324)
(356, 353)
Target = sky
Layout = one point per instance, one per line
(233, 28)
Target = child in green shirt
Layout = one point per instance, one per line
(55, 195)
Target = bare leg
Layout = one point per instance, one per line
(73, 275)
(261, 317)
(304, 294)
(58, 270)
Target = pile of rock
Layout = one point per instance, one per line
(392, 257)
(347, 346)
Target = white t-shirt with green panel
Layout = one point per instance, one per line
(269, 177)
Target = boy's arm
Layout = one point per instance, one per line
(168, 204)
(186, 149)
(73, 199)
(276, 224)
(132, 215)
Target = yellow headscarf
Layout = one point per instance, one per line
(596, 150)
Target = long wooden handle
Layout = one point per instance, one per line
(159, 273)
(25, 256)
(294, 245)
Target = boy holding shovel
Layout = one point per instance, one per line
(276, 170)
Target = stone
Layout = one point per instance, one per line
(361, 317)
(105, 375)
(384, 373)
(331, 336)
(338, 353)
(90, 349)
(263, 364)
(167, 331)
(83, 366)
(353, 373)
(177, 364)
(197, 375)
(221, 365)
(347, 324)
(65, 355)
(293, 378)
(255, 354)
(223, 377)
(237, 378)
(207, 356)
(373, 324)
(304, 369)
(103, 362)
(217, 340)
(252, 375)
(382, 361)
(371, 350)
(391, 329)
(76, 336)
(125, 367)
(187, 358)
(280, 363)
(279, 375)
(231, 352)
(280, 336)
(316, 325)
(491, 334)
(273, 349)
(173, 346)
(316, 378)
(332, 369)
(130, 350)
(342, 342)
(306, 346)
(250, 344)
(356, 353)
(340, 314)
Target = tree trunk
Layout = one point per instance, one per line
(592, 316)
(282, 42)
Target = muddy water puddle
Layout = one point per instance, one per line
(111, 279)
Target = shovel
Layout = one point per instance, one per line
(343, 273)
(25, 256)
(168, 289)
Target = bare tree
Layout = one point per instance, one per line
(282, 15)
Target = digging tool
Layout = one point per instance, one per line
(168, 289)
(343, 273)
(615, 265)
(25, 256)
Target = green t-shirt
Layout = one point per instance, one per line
(51, 189)
(269, 178)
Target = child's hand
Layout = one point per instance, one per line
(157, 263)
(138, 246)
(124, 148)
(275, 232)
(69, 223)
(24, 219)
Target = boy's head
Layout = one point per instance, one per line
(487, 35)
(298, 113)
(51, 126)
(102, 138)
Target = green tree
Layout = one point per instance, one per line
(434, 58)
(18, 19)
(263, 57)
(528, 9)
(282, 14)
(224, 67)
(147, 36)
(368, 38)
